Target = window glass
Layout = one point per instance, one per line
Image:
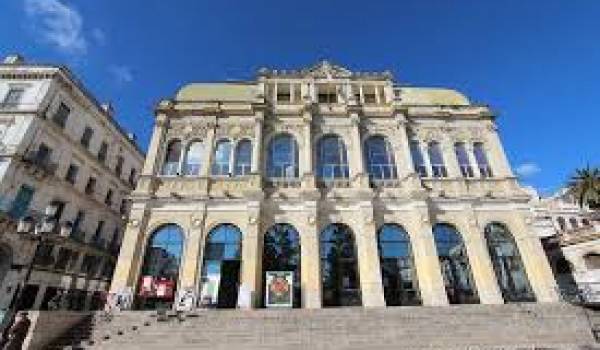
(463, 159)
(438, 169)
(193, 158)
(417, 158)
(171, 164)
(222, 158)
(243, 158)
(380, 158)
(482, 162)
(282, 159)
(332, 159)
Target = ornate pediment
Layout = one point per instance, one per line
(325, 69)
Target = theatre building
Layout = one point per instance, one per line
(370, 193)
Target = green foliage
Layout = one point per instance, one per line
(584, 185)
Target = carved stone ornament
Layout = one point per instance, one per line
(311, 219)
(253, 219)
(196, 222)
(134, 223)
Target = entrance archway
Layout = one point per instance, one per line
(508, 265)
(339, 267)
(160, 271)
(220, 278)
(281, 252)
(454, 262)
(399, 278)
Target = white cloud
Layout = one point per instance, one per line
(99, 36)
(121, 74)
(527, 169)
(58, 24)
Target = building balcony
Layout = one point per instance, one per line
(474, 187)
(37, 166)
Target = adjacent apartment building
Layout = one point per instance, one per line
(64, 158)
(355, 189)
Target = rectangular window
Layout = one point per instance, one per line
(90, 188)
(72, 172)
(76, 233)
(463, 159)
(98, 233)
(123, 207)
(61, 115)
(482, 162)
(60, 208)
(417, 158)
(20, 204)
(102, 152)
(13, 97)
(109, 197)
(327, 93)
(44, 254)
(119, 166)
(86, 137)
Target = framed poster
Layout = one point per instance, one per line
(279, 289)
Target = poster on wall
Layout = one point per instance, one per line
(210, 284)
(279, 289)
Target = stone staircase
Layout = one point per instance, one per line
(515, 326)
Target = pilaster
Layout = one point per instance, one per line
(368, 260)
(404, 164)
(153, 158)
(310, 270)
(252, 247)
(257, 149)
(191, 255)
(306, 165)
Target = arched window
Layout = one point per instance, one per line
(463, 159)
(281, 252)
(573, 223)
(400, 285)
(438, 169)
(454, 262)
(562, 223)
(161, 265)
(171, 164)
(243, 158)
(282, 158)
(417, 158)
(332, 159)
(222, 158)
(507, 263)
(220, 276)
(482, 161)
(339, 267)
(380, 158)
(193, 158)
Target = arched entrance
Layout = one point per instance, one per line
(400, 285)
(160, 271)
(508, 265)
(339, 267)
(454, 262)
(281, 252)
(220, 278)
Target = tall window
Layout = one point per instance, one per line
(482, 161)
(221, 267)
(20, 204)
(193, 158)
(463, 159)
(417, 158)
(438, 169)
(282, 158)
(132, 176)
(171, 164)
(400, 285)
(161, 263)
(61, 115)
(119, 166)
(332, 160)
(339, 267)
(222, 157)
(327, 93)
(454, 262)
(507, 263)
(380, 158)
(103, 151)
(562, 224)
(72, 172)
(86, 137)
(243, 158)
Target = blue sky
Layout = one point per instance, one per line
(537, 63)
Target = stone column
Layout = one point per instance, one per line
(480, 261)
(355, 153)
(495, 153)
(251, 274)
(450, 159)
(472, 160)
(154, 156)
(402, 156)
(368, 259)
(306, 165)
(191, 255)
(257, 149)
(427, 263)
(209, 149)
(310, 263)
(424, 147)
(534, 259)
(132, 250)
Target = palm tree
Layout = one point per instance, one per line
(584, 185)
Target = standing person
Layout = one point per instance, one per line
(18, 332)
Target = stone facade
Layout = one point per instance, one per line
(310, 104)
(54, 138)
